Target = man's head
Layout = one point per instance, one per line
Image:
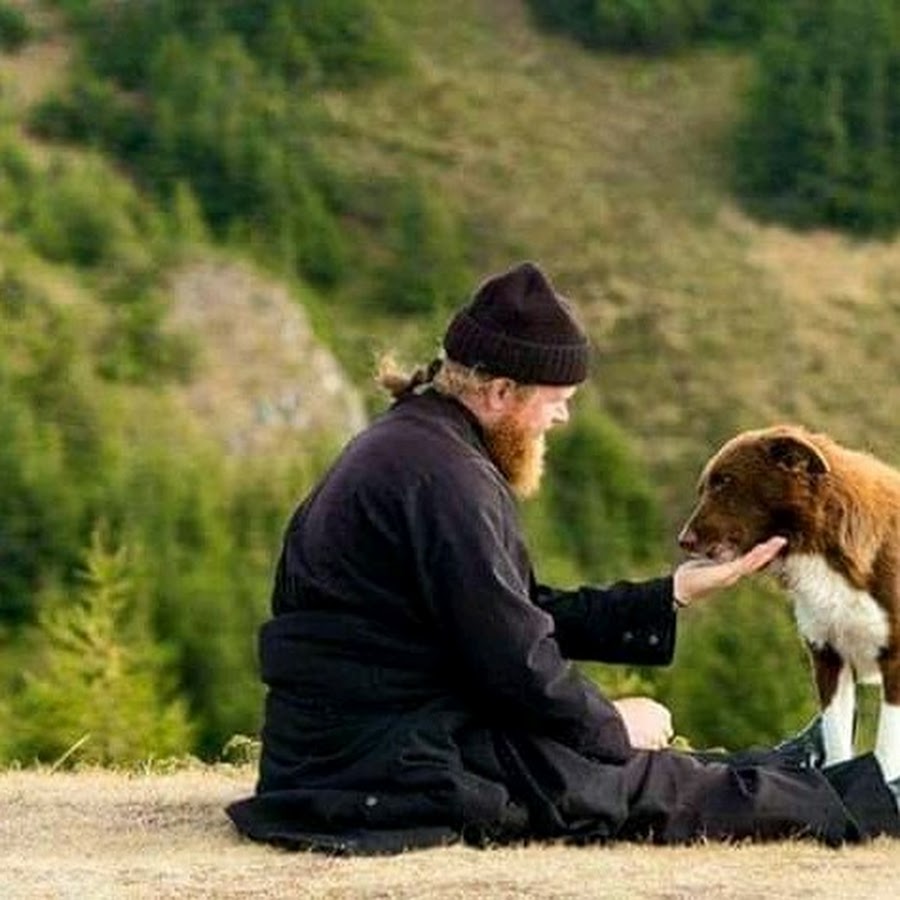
(515, 356)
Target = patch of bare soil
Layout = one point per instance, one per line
(101, 834)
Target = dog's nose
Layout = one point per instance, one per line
(687, 540)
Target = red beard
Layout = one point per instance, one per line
(518, 455)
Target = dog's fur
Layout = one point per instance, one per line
(840, 511)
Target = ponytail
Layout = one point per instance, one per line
(399, 383)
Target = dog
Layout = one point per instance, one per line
(840, 512)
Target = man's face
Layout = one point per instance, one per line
(516, 439)
(542, 408)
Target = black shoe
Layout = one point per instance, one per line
(805, 750)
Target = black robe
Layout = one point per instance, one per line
(420, 688)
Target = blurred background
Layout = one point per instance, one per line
(215, 214)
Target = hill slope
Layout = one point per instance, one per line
(613, 173)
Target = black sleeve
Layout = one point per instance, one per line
(475, 578)
(631, 623)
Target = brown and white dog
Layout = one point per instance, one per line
(840, 511)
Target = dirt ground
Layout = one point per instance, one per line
(101, 834)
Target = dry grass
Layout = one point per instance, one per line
(40, 66)
(102, 834)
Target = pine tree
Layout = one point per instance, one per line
(820, 142)
(100, 682)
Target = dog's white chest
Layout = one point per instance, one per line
(830, 611)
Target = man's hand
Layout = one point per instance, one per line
(697, 577)
(648, 723)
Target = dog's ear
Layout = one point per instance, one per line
(796, 455)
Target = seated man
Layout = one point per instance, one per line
(419, 688)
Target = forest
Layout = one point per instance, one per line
(714, 183)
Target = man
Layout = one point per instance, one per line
(419, 688)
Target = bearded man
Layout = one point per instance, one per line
(420, 688)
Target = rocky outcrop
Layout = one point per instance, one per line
(260, 376)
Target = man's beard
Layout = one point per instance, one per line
(518, 455)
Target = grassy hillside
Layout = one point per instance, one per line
(613, 171)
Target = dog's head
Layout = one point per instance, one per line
(758, 485)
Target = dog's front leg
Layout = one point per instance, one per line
(837, 696)
(887, 742)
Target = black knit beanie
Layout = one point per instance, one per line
(516, 326)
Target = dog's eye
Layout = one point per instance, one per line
(719, 480)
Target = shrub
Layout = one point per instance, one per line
(16, 179)
(650, 25)
(120, 39)
(218, 128)
(15, 29)
(39, 524)
(339, 41)
(137, 347)
(596, 520)
(654, 26)
(738, 20)
(601, 499)
(714, 701)
(51, 429)
(427, 272)
(85, 214)
(68, 222)
(284, 49)
(351, 38)
(91, 110)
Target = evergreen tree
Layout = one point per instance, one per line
(820, 142)
(100, 681)
(427, 272)
(15, 28)
(654, 26)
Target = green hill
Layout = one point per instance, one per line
(613, 172)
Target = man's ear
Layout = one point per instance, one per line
(797, 455)
(498, 393)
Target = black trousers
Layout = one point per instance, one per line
(858, 784)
